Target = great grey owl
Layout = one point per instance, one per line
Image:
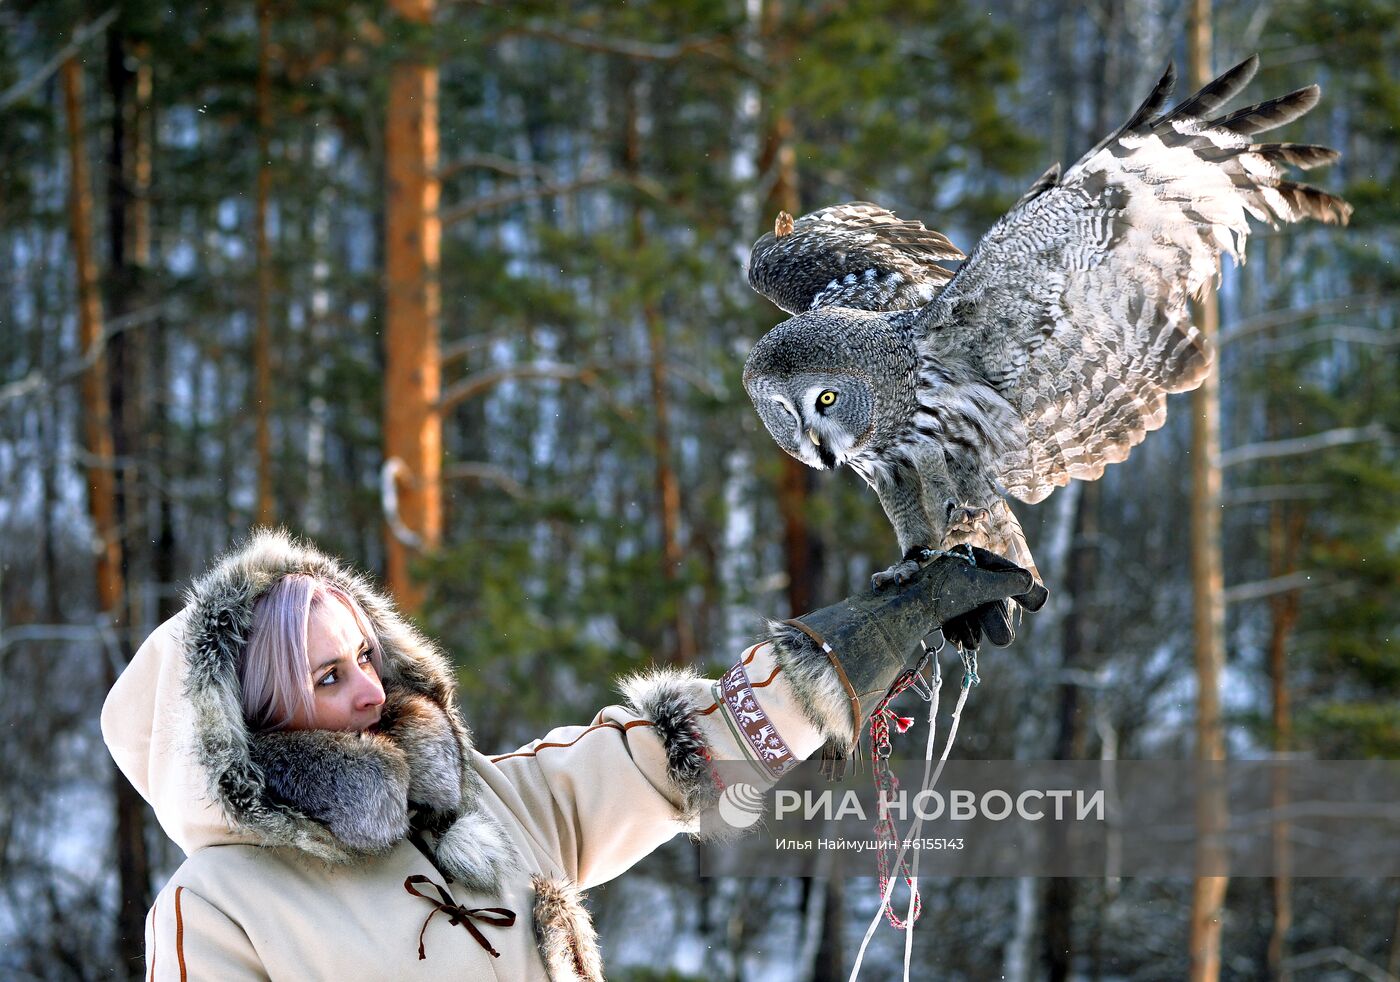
(1051, 350)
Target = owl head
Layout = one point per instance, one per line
(820, 382)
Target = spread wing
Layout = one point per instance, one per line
(853, 255)
(1075, 304)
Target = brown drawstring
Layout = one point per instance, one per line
(457, 914)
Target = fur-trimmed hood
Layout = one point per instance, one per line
(174, 723)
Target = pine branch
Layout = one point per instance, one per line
(1343, 956)
(483, 382)
(1271, 449)
(543, 190)
(461, 348)
(81, 36)
(721, 47)
(485, 473)
(588, 375)
(1333, 333)
(1293, 315)
(490, 161)
(550, 188)
(36, 381)
(1267, 493)
(1260, 589)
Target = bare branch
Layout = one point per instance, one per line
(722, 47)
(1333, 333)
(81, 36)
(35, 381)
(543, 190)
(1260, 589)
(1343, 956)
(483, 382)
(714, 45)
(1268, 450)
(645, 185)
(487, 474)
(1267, 493)
(22, 633)
(589, 375)
(465, 346)
(1293, 315)
(490, 161)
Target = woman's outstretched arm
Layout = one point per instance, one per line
(600, 797)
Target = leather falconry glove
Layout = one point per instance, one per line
(993, 619)
(870, 638)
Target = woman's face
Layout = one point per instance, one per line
(346, 694)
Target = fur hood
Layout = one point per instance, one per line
(174, 723)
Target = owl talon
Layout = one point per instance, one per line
(966, 523)
(906, 569)
(898, 574)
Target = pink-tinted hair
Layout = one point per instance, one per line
(275, 672)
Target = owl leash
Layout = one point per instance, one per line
(886, 783)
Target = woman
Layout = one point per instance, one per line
(299, 741)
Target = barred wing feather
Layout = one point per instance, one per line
(1075, 304)
(855, 254)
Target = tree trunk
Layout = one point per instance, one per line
(132, 862)
(1285, 532)
(1208, 592)
(802, 548)
(777, 165)
(668, 492)
(1070, 735)
(127, 385)
(262, 338)
(831, 951)
(413, 246)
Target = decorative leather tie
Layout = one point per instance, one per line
(457, 914)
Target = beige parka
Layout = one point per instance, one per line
(300, 845)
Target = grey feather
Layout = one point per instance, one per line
(851, 255)
(1049, 354)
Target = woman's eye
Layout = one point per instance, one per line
(827, 398)
(365, 656)
(328, 679)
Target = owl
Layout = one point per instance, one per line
(1049, 353)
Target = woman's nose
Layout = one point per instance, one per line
(370, 693)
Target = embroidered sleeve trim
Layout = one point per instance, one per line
(759, 734)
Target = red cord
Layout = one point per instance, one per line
(885, 785)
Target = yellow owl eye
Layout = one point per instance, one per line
(827, 398)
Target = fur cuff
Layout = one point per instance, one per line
(666, 697)
(814, 682)
(355, 784)
(564, 932)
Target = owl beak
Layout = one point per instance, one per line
(816, 440)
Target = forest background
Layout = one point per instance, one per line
(256, 250)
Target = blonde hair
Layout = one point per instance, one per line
(274, 672)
